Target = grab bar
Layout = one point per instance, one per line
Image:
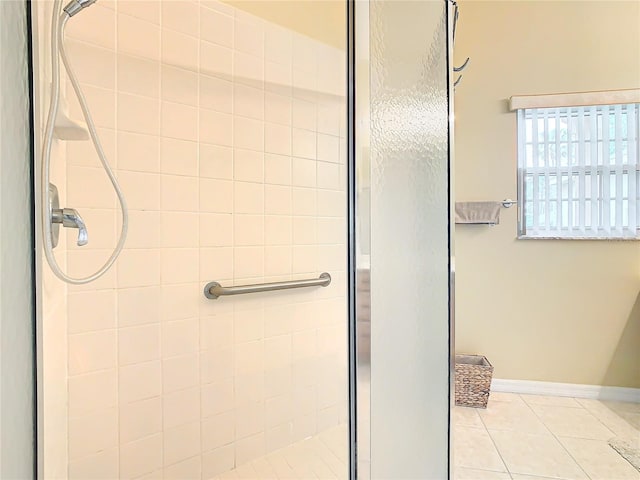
(213, 290)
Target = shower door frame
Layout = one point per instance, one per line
(360, 345)
(358, 424)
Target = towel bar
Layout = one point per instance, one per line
(213, 290)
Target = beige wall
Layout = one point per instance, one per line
(559, 311)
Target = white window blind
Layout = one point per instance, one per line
(578, 171)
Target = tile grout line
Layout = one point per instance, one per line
(557, 439)
(494, 444)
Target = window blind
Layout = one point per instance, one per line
(578, 171)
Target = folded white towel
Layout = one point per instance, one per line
(486, 213)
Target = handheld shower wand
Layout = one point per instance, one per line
(75, 6)
(69, 217)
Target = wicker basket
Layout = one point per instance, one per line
(473, 380)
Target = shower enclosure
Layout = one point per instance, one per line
(269, 144)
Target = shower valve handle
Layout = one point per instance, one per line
(70, 218)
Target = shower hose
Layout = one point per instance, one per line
(58, 23)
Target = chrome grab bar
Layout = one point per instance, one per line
(213, 290)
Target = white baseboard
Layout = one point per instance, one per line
(597, 392)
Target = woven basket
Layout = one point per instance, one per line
(473, 380)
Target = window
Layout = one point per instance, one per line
(578, 171)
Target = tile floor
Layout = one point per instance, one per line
(518, 437)
(529, 437)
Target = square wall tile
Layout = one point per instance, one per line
(218, 431)
(216, 196)
(277, 261)
(101, 465)
(180, 265)
(181, 407)
(216, 27)
(216, 365)
(248, 262)
(149, 11)
(248, 133)
(179, 157)
(138, 75)
(181, 443)
(179, 193)
(216, 60)
(140, 419)
(277, 108)
(277, 139)
(93, 433)
(139, 382)
(180, 372)
(278, 229)
(249, 230)
(139, 268)
(216, 162)
(190, 468)
(179, 301)
(180, 337)
(250, 448)
(141, 456)
(179, 121)
(217, 398)
(216, 331)
(179, 50)
(181, 16)
(93, 65)
(99, 27)
(138, 114)
(89, 352)
(138, 344)
(138, 152)
(180, 229)
(138, 306)
(216, 230)
(93, 391)
(216, 94)
(218, 461)
(179, 85)
(102, 102)
(216, 128)
(142, 190)
(216, 263)
(90, 311)
(248, 197)
(248, 166)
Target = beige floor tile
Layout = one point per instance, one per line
(515, 476)
(503, 397)
(473, 474)
(610, 419)
(572, 422)
(467, 416)
(540, 455)
(631, 407)
(473, 448)
(513, 415)
(632, 419)
(599, 460)
(549, 400)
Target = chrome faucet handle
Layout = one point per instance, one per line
(70, 218)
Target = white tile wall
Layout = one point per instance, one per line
(226, 135)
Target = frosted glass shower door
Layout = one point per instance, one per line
(16, 250)
(402, 234)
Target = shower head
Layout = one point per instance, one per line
(75, 6)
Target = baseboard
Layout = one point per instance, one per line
(596, 392)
